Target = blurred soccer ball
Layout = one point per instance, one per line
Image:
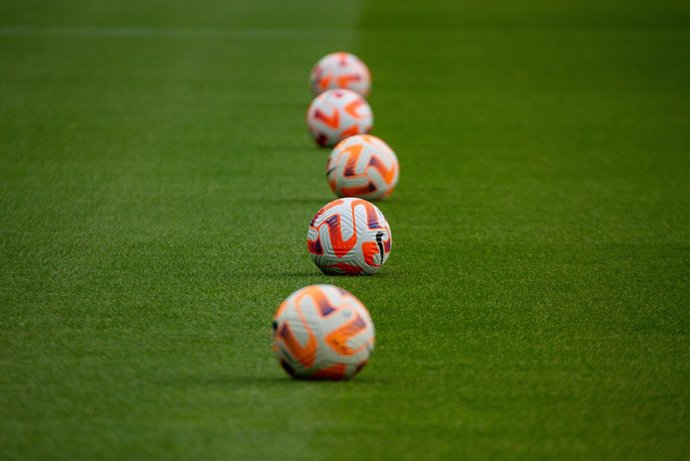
(322, 332)
(349, 236)
(362, 166)
(340, 70)
(337, 114)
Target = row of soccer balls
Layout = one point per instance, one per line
(361, 165)
(322, 331)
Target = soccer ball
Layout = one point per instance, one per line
(322, 332)
(349, 236)
(362, 166)
(340, 70)
(336, 114)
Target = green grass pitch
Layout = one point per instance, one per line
(156, 183)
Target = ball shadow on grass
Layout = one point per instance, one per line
(268, 381)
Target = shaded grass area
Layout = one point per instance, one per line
(155, 193)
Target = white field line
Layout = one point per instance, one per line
(171, 32)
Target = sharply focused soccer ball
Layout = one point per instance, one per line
(340, 70)
(349, 236)
(362, 166)
(336, 114)
(322, 332)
